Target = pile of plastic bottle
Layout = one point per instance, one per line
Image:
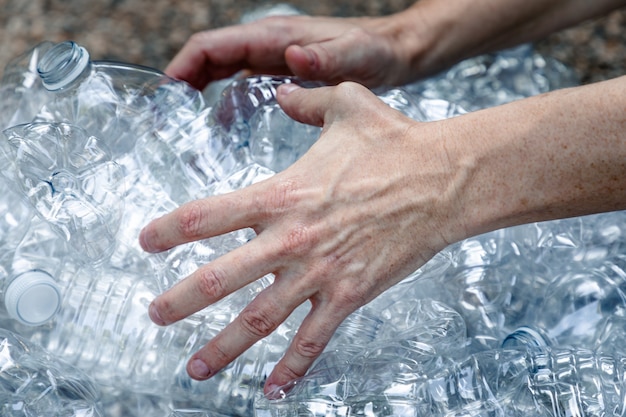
(528, 320)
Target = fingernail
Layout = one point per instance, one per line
(143, 241)
(285, 89)
(198, 369)
(310, 57)
(273, 392)
(155, 316)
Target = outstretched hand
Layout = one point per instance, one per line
(369, 203)
(324, 49)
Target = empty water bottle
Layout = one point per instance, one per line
(249, 115)
(494, 79)
(21, 88)
(115, 101)
(500, 382)
(103, 328)
(577, 303)
(71, 180)
(35, 383)
(30, 291)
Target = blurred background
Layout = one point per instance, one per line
(150, 32)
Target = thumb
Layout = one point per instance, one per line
(321, 105)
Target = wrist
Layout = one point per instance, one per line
(429, 37)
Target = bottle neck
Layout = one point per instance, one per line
(62, 65)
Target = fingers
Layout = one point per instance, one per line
(204, 218)
(213, 282)
(269, 309)
(216, 54)
(260, 318)
(326, 49)
(307, 345)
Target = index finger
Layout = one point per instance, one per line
(216, 54)
(202, 219)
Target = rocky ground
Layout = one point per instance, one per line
(150, 32)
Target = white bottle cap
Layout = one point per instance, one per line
(32, 298)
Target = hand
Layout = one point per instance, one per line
(312, 48)
(367, 205)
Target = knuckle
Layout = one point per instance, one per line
(360, 36)
(277, 21)
(198, 39)
(257, 323)
(350, 297)
(308, 348)
(350, 294)
(190, 219)
(287, 373)
(211, 283)
(348, 90)
(298, 240)
(287, 24)
(281, 196)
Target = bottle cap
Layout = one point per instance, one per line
(32, 298)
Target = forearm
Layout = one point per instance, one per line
(556, 155)
(439, 33)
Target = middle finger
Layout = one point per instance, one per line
(214, 281)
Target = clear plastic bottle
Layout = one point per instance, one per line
(103, 328)
(21, 89)
(31, 293)
(493, 79)
(574, 306)
(368, 354)
(70, 179)
(35, 383)
(115, 101)
(478, 282)
(540, 382)
(25, 296)
(250, 116)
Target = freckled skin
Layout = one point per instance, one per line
(380, 194)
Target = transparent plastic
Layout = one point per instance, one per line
(70, 179)
(103, 328)
(21, 88)
(117, 102)
(250, 116)
(430, 345)
(499, 382)
(34, 383)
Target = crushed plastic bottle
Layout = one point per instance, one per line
(21, 88)
(35, 383)
(427, 346)
(30, 291)
(70, 179)
(576, 303)
(554, 382)
(498, 78)
(114, 101)
(250, 116)
(103, 329)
